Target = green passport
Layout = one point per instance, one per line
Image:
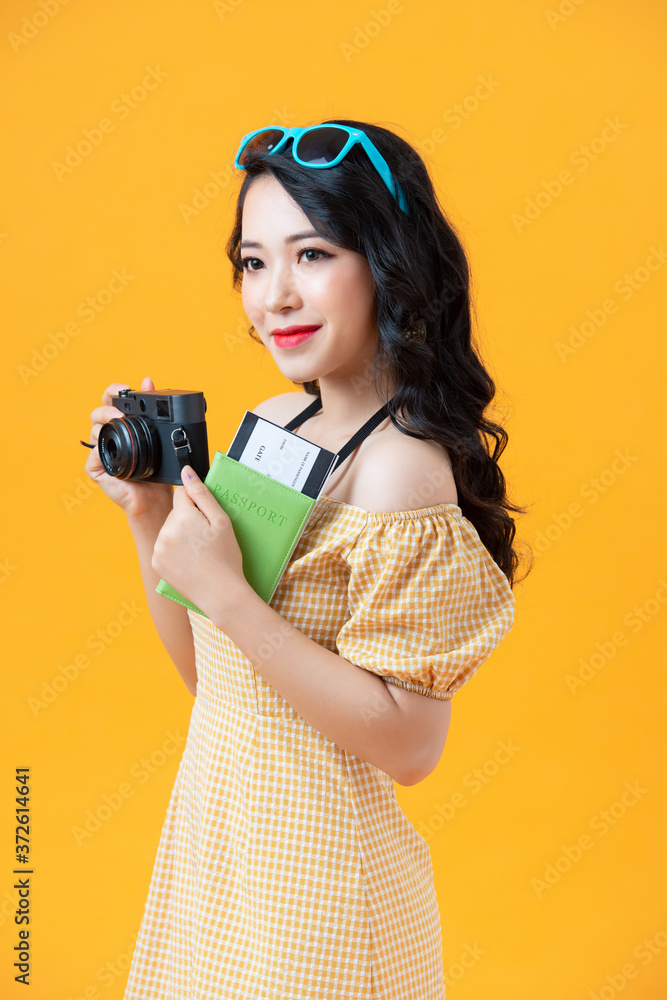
(268, 518)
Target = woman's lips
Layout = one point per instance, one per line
(292, 336)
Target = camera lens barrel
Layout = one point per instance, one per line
(129, 447)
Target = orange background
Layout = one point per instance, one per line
(545, 135)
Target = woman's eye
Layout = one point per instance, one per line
(249, 263)
(312, 250)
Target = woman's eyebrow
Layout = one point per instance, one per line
(295, 238)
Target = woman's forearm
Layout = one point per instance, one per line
(170, 619)
(347, 704)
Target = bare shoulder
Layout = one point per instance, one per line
(400, 473)
(281, 408)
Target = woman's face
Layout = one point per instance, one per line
(294, 277)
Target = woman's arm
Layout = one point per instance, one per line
(198, 554)
(403, 735)
(170, 619)
(147, 506)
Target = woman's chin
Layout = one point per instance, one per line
(296, 372)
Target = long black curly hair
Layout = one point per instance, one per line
(421, 276)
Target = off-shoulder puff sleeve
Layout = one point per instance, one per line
(428, 603)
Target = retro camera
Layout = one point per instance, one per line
(157, 435)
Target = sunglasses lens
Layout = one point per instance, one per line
(322, 145)
(262, 143)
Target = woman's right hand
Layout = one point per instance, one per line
(135, 497)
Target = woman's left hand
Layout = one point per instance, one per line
(196, 551)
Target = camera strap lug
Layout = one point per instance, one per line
(182, 448)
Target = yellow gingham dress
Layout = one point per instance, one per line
(286, 869)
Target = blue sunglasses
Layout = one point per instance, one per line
(318, 146)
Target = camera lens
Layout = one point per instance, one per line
(129, 447)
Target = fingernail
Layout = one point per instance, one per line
(187, 473)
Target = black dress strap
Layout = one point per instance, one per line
(301, 418)
(356, 438)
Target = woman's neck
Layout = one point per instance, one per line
(347, 405)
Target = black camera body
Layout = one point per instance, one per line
(158, 434)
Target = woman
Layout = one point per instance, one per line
(285, 867)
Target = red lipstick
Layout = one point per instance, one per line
(292, 336)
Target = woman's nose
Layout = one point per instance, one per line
(281, 291)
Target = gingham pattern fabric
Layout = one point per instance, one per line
(286, 869)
